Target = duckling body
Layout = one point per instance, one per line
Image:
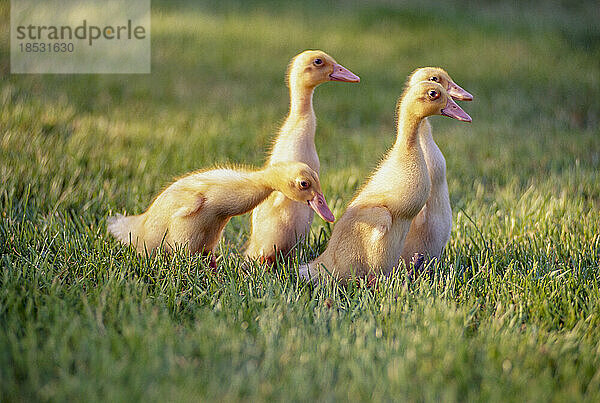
(370, 235)
(430, 230)
(278, 223)
(193, 211)
(367, 237)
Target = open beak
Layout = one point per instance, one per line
(452, 110)
(320, 206)
(458, 93)
(340, 73)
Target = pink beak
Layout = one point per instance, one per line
(320, 206)
(340, 73)
(458, 93)
(454, 111)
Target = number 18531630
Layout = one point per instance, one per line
(43, 47)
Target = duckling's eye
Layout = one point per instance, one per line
(304, 185)
(318, 62)
(433, 94)
(434, 79)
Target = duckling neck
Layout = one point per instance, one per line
(407, 138)
(301, 104)
(248, 190)
(271, 177)
(436, 163)
(296, 139)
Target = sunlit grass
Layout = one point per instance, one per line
(510, 313)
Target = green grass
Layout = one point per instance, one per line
(512, 312)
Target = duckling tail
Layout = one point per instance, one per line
(125, 229)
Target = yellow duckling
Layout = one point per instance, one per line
(368, 238)
(279, 222)
(430, 230)
(193, 211)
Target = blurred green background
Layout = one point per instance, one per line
(512, 311)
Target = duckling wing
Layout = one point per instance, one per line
(375, 223)
(358, 241)
(189, 203)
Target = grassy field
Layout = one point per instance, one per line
(511, 313)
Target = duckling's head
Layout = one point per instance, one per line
(440, 76)
(428, 98)
(313, 67)
(301, 183)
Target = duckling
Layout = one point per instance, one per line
(430, 230)
(193, 211)
(279, 222)
(368, 238)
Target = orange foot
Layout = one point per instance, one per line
(269, 261)
(371, 281)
